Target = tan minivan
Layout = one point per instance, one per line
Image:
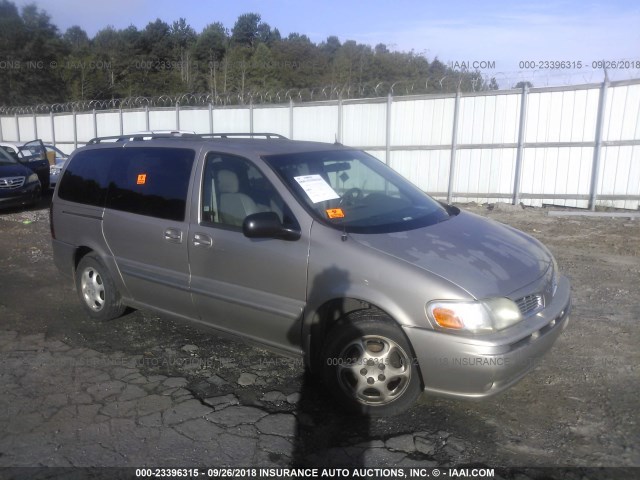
(310, 249)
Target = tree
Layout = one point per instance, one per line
(352, 62)
(299, 63)
(245, 32)
(237, 63)
(210, 49)
(38, 22)
(381, 49)
(158, 61)
(30, 45)
(122, 69)
(156, 40)
(42, 65)
(182, 35)
(263, 74)
(436, 74)
(266, 35)
(76, 39)
(12, 37)
(330, 46)
(183, 38)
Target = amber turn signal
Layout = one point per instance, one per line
(447, 318)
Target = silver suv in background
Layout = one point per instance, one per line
(310, 249)
(59, 158)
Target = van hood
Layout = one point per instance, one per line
(484, 257)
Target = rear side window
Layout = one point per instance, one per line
(145, 181)
(152, 182)
(86, 178)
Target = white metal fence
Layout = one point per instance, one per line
(574, 146)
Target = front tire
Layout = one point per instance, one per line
(369, 365)
(37, 196)
(98, 294)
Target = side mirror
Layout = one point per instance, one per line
(267, 225)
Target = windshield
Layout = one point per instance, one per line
(6, 159)
(353, 191)
(33, 151)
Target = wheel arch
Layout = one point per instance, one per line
(108, 261)
(79, 254)
(366, 387)
(324, 317)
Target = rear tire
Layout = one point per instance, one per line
(369, 366)
(97, 291)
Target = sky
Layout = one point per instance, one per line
(494, 36)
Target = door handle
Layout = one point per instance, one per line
(173, 235)
(202, 240)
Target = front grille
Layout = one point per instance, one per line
(529, 304)
(11, 182)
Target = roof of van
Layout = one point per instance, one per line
(256, 144)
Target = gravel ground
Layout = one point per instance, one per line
(146, 390)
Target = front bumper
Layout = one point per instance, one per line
(468, 367)
(25, 195)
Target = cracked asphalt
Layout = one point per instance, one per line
(68, 406)
(150, 391)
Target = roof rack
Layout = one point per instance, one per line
(243, 135)
(178, 134)
(138, 136)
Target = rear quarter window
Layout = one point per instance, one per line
(145, 181)
(86, 178)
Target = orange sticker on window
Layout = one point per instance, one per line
(142, 179)
(335, 213)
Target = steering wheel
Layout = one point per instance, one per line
(352, 196)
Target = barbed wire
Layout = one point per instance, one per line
(250, 96)
(473, 81)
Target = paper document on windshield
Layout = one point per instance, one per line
(316, 188)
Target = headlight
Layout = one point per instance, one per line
(32, 178)
(484, 316)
